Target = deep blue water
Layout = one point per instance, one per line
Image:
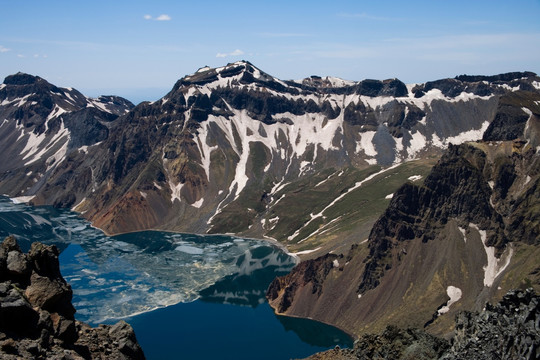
(187, 296)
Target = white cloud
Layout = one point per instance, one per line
(4, 49)
(236, 52)
(21, 56)
(162, 17)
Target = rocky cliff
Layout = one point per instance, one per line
(37, 317)
(466, 235)
(508, 330)
(234, 149)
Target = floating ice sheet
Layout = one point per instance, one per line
(120, 276)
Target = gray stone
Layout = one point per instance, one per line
(17, 263)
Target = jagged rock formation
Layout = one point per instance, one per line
(233, 149)
(508, 330)
(37, 317)
(466, 235)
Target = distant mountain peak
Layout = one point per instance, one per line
(21, 78)
(238, 69)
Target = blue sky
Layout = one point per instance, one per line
(138, 49)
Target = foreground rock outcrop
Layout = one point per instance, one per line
(508, 330)
(37, 317)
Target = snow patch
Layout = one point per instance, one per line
(303, 166)
(377, 101)
(304, 252)
(414, 178)
(335, 263)
(470, 135)
(198, 203)
(175, 191)
(21, 199)
(325, 180)
(389, 196)
(338, 82)
(417, 143)
(366, 143)
(307, 130)
(68, 95)
(78, 204)
(527, 111)
(272, 222)
(204, 149)
(35, 147)
(494, 266)
(203, 69)
(464, 233)
(455, 294)
(371, 161)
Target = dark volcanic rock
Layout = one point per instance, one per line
(501, 77)
(21, 79)
(508, 330)
(36, 314)
(511, 117)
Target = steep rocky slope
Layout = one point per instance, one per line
(508, 330)
(233, 149)
(42, 126)
(467, 235)
(36, 315)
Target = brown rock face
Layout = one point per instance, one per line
(37, 317)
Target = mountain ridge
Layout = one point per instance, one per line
(229, 140)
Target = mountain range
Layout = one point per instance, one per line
(407, 202)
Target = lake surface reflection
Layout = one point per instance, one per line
(177, 290)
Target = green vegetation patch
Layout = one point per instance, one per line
(301, 200)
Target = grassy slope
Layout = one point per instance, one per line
(349, 220)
